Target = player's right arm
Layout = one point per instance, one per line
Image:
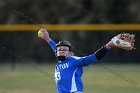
(47, 38)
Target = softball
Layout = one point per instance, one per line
(40, 34)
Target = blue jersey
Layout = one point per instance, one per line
(68, 73)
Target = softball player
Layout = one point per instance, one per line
(69, 69)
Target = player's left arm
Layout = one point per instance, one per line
(99, 54)
(124, 41)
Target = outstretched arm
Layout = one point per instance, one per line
(100, 53)
(47, 38)
(124, 41)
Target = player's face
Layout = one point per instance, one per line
(63, 51)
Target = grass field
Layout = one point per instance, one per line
(96, 78)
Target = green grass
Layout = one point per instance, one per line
(96, 79)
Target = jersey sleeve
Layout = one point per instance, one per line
(52, 44)
(85, 61)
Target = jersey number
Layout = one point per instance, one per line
(57, 76)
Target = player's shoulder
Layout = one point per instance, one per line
(76, 57)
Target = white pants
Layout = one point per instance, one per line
(77, 92)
